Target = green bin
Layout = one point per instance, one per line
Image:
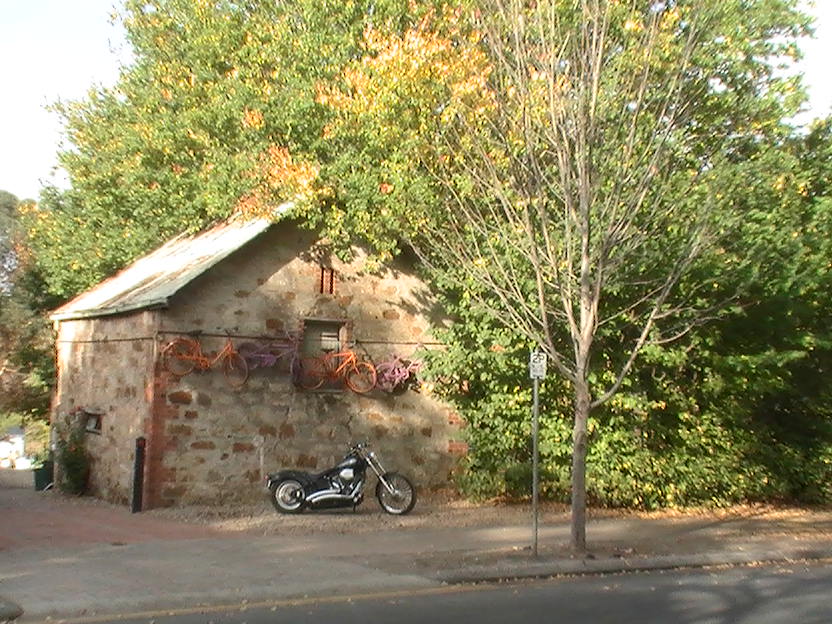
(44, 475)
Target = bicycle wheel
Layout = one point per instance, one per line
(313, 373)
(251, 353)
(178, 356)
(235, 369)
(361, 378)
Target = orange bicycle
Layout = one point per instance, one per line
(358, 375)
(182, 355)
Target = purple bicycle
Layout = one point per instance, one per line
(270, 352)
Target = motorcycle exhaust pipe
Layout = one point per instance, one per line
(335, 494)
(326, 495)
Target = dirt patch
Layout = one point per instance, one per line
(435, 510)
(446, 511)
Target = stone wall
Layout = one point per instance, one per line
(105, 366)
(219, 442)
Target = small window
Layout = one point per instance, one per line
(326, 285)
(93, 422)
(322, 337)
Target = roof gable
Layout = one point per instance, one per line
(153, 279)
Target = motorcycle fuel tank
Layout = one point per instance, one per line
(348, 462)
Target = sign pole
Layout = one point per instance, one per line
(535, 473)
(537, 371)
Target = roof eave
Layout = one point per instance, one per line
(109, 311)
(69, 312)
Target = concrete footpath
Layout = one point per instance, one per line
(76, 560)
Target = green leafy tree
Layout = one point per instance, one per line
(216, 114)
(736, 410)
(578, 146)
(26, 364)
(8, 224)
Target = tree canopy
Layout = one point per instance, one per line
(26, 366)
(8, 227)
(235, 105)
(217, 113)
(735, 411)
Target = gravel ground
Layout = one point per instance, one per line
(444, 510)
(435, 510)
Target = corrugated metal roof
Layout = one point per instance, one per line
(151, 280)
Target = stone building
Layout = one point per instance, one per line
(207, 441)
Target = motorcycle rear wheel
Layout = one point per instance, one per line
(402, 500)
(287, 496)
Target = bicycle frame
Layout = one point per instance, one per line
(188, 352)
(358, 375)
(270, 351)
(204, 362)
(348, 360)
(285, 351)
(394, 373)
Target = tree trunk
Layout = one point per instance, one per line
(579, 448)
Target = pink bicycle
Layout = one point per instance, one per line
(397, 374)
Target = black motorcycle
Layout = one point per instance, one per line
(292, 491)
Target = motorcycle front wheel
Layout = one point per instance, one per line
(287, 496)
(403, 497)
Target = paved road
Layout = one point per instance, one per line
(746, 595)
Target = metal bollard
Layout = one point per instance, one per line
(138, 474)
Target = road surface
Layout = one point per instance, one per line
(782, 594)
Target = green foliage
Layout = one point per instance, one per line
(26, 360)
(483, 373)
(217, 113)
(7, 421)
(519, 477)
(737, 410)
(684, 448)
(37, 440)
(8, 228)
(72, 457)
